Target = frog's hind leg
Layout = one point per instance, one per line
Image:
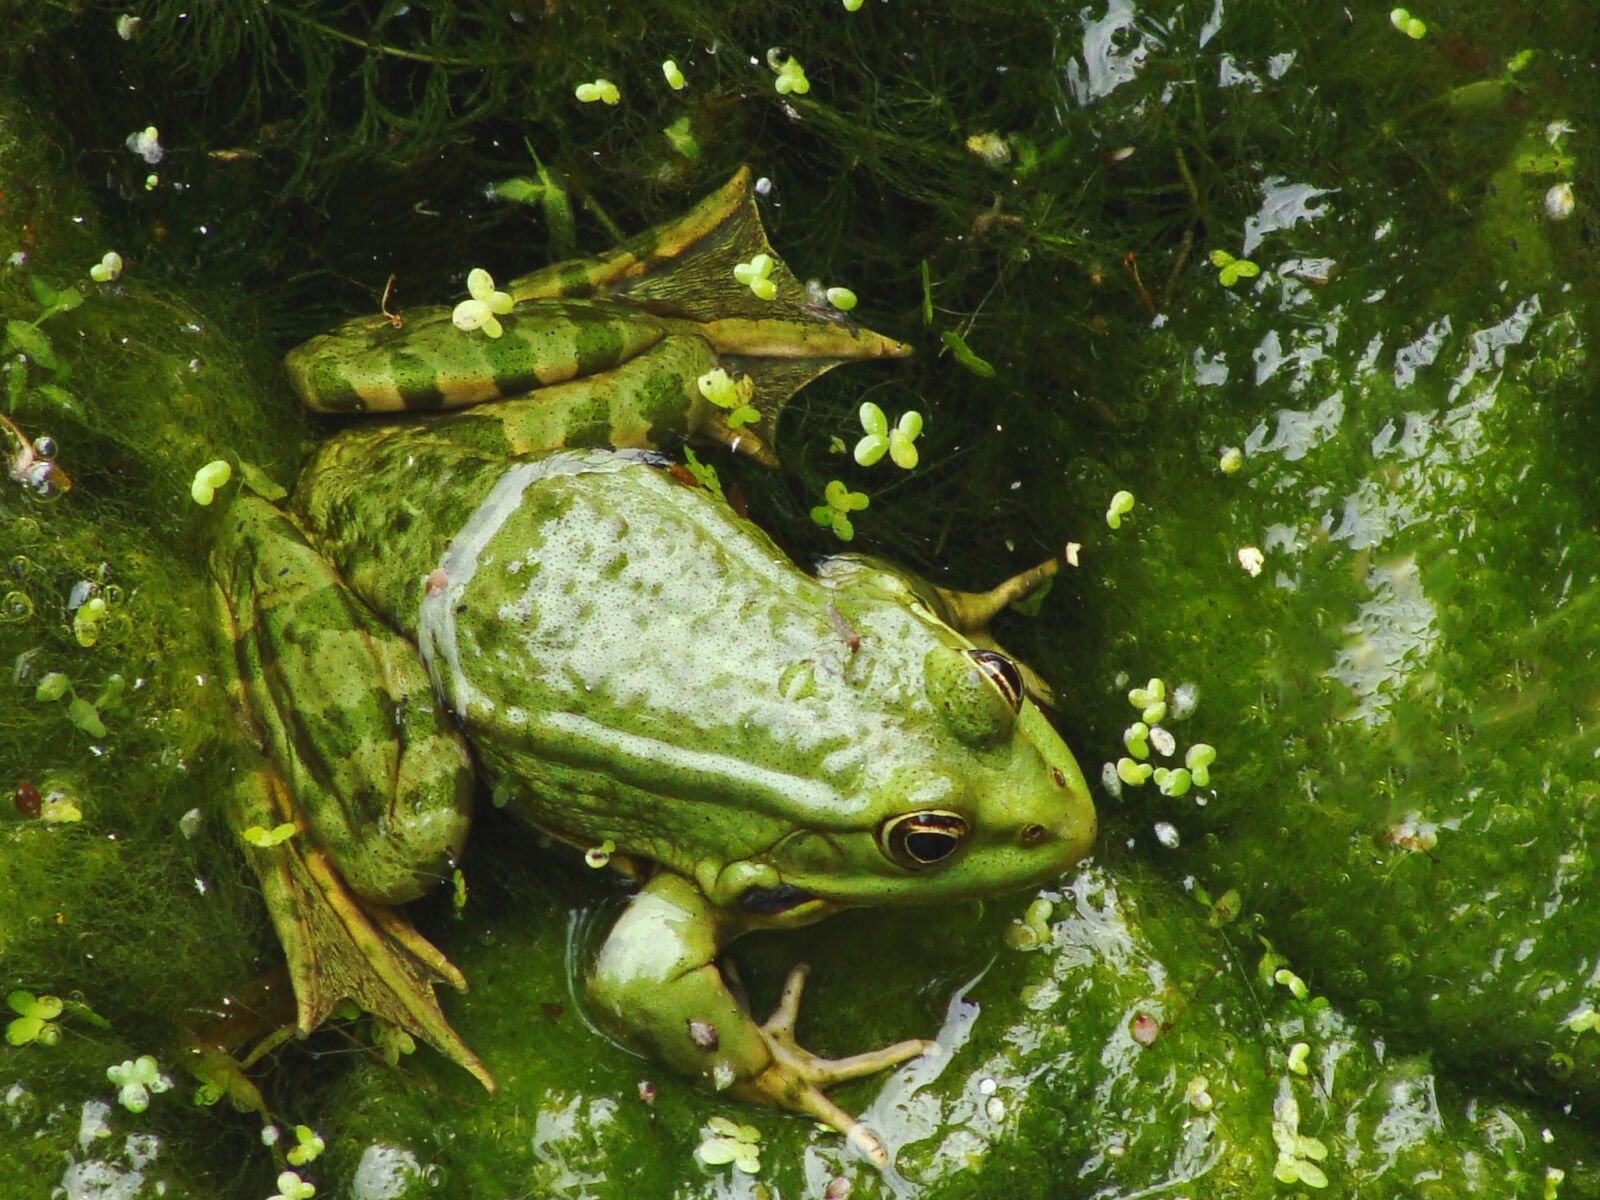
(358, 793)
(337, 945)
(682, 272)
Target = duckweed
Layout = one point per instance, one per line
(265, 839)
(35, 1020)
(791, 78)
(484, 307)
(727, 1141)
(835, 512)
(898, 442)
(601, 91)
(137, 1079)
(1230, 269)
(308, 1146)
(753, 275)
(1121, 505)
(292, 1187)
(841, 298)
(1135, 739)
(1412, 27)
(108, 268)
(210, 479)
(733, 395)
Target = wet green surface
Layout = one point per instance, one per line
(1402, 700)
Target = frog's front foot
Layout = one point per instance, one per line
(797, 1078)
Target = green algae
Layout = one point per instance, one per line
(1414, 655)
(1042, 1077)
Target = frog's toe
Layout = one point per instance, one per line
(797, 1077)
(778, 1032)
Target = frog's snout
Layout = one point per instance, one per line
(1069, 834)
(1075, 831)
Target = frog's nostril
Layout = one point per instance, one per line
(1059, 776)
(1032, 835)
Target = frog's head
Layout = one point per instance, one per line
(983, 798)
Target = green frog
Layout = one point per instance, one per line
(523, 593)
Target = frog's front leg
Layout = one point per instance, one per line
(657, 984)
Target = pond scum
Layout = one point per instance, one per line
(1056, 205)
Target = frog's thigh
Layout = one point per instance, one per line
(346, 710)
(657, 985)
(649, 401)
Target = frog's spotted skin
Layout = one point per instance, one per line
(519, 587)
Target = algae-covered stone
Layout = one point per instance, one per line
(1139, 1047)
(112, 900)
(1402, 701)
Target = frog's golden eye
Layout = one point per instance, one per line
(1002, 673)
(923, 838)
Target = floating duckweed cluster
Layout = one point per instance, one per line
(35, 1020)
(1298, 1157)
(1298, 1054)
(1413, 27)
(754, 275)
(791, 76)
(209, 479)
(1287, 978)
(108, 268)
(263, 838)
(307, 1148)
(899, 441)
(1583, 1020)
(136, 1080)
(292, 1187)
(1032, 929)
(601, 91)
(1230, 269)
(1121, 505)
(838, 503)
(484, 306)
(1146, 735)
(731, 395)
(728, 1141)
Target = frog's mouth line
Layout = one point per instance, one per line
(769, 902)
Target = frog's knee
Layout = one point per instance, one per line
(403, 846)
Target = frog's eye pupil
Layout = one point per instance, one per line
(920, 839)
(929, 846)
(1002, 673)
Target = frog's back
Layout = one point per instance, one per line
(609, 636)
